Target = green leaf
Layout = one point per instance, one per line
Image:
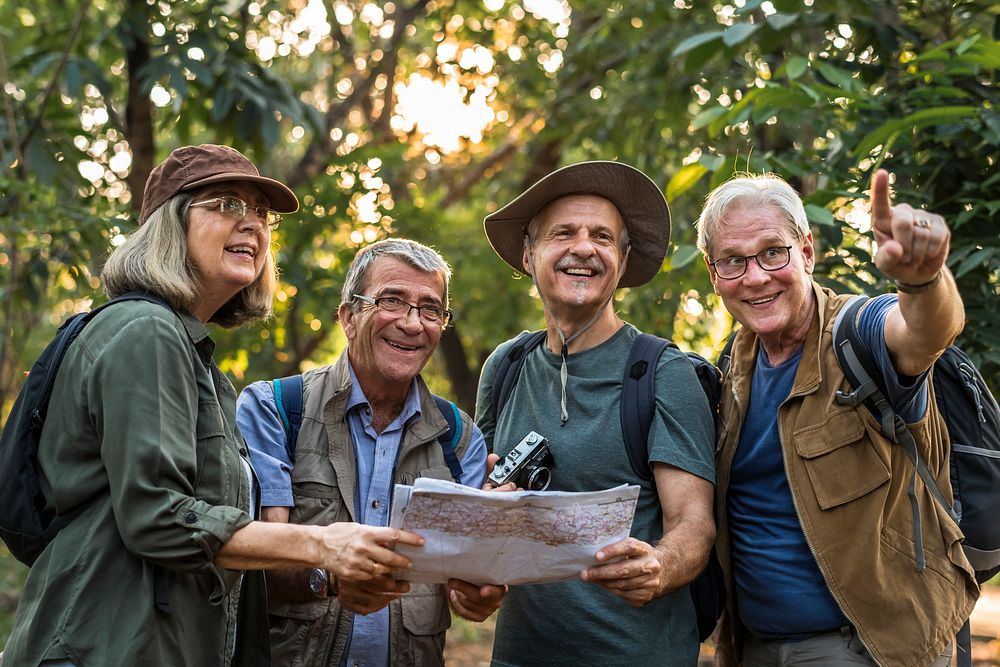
(738, 33)
(796, 67)
(696, 40)
(711, 162)
(836, 76)
(819, 215)
(683, 255)
(781, 21)
(974, 261)
(683, 180)
(915, 121)
(707, 116)
(966, 44)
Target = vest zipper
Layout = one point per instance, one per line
(798, 516)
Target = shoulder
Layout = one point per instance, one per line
(502, 350)
(138, 324)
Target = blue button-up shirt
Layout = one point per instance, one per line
(376, 455)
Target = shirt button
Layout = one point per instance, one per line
(376, 504)
(190, 517)
(243, 451)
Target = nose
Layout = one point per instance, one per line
(411, 321)
(252, 221)
(583, 245)
(754, 275)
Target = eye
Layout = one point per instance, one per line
(734, 262)
(773, 253)
(233, 206)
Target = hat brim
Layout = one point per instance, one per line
(279, 196)
(637, 198)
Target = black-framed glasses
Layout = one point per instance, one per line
(769, 259)
(237, 209)
(400, 308)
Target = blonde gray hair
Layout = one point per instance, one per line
(753, 191)
(154, 258)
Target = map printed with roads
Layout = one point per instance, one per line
(507, 538)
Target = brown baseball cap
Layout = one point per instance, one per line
(637, 198)
(191, 167)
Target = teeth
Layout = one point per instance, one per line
(406, 348)
(757, 302)
(247, 250)
(580, 272)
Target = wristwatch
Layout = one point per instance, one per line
(319, 583)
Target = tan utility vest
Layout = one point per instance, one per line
(849, 487)
(324, 482)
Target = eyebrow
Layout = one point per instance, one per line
(400, 294)
(766, 242)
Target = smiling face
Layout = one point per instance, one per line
(576, 251)
(387, 351)
(776, 305)
(226, 254)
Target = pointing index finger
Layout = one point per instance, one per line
(880, 202)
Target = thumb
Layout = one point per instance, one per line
(881, 203)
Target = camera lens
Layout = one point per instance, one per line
(538, 479)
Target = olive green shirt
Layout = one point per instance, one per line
(140, 448)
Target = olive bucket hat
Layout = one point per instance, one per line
(191, 167)
(638, 200)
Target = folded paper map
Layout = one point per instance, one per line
(522, 537)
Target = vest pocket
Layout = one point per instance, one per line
(424, 610)
(842, 464)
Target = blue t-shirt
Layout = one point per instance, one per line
(780, 590)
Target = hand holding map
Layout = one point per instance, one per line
(507, 538)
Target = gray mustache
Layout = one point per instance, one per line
(576, 262)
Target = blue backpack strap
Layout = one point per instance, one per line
(638, 399)
(288, 401)
(449, 439)
(509, 368)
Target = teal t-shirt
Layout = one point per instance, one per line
(573, 622)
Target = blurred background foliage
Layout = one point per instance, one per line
(417, 118)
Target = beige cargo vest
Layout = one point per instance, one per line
(324, 483)
(849, 487)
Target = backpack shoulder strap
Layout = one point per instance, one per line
(449, 439)
(288, 401)
(509, 367)
(638, 399)
(863, 375)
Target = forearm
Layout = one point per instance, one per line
(262, 545)
(683, 552)
(927, 323)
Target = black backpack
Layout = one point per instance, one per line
(638, 404)
(25, 525)
(288, 401)
(973, 419)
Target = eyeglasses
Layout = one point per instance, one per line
(237, 209)
(769, 259)
(400, 308)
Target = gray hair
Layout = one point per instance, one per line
(154, 258)
(751, 192)
(415, 254)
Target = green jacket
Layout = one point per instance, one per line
(140, 447)
(849, 487)
(324, 478)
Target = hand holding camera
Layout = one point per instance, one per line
(528, 465)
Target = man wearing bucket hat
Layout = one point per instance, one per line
(580, 233)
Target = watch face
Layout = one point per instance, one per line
(318, 582)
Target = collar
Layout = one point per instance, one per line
(357, 398)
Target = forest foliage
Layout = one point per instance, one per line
(417, 118)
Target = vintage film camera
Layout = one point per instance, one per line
(528, 465)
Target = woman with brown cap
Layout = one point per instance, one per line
(141, 453)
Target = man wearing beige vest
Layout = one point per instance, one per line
(368, 421)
